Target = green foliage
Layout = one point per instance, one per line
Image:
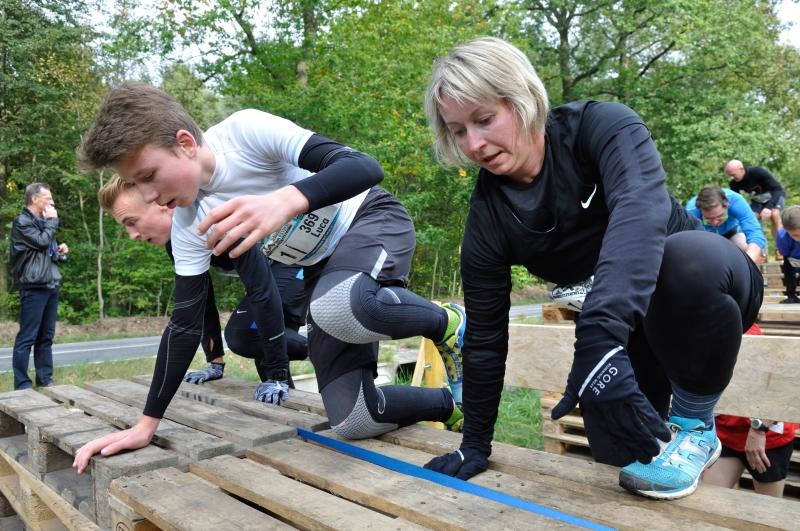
(46, 90)
(709, 77)
(520, 278)
(370, 86)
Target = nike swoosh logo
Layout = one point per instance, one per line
(586, 204)
(241, 311)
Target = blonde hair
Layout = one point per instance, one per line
(108, 194)
(791, 218)
(132, 116)
(484, 69)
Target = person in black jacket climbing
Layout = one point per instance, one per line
(576, 194)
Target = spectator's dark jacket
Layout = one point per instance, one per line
(33, 251)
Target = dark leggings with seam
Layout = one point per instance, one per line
(708, 292)
(392, 311)
(396, 404)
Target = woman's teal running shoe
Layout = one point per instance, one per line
(676, 471)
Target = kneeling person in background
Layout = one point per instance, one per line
(151, 223)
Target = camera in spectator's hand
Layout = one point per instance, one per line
(61, 257)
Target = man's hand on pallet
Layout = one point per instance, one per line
(135, 437)
(621, 424)
(463, 463)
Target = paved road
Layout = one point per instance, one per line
(142, 347)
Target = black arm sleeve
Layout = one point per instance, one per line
(211, 339)
(639, 205)
(179, 341)
(340, 172)
(265, 300)
(486, 277)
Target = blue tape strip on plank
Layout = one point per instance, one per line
(448, 481)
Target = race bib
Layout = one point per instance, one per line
(303, 238)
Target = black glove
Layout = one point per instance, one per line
(272, 391)
(463, 463)
(620, 423)
(212, 372)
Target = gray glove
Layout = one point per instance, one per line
(212, 372)
(272, 391)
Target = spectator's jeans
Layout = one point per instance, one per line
(37, 326)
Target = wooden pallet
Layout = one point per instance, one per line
(214, 466)
(39, 437)
(300, 484)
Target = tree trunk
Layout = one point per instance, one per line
(101, 312)
(433, 276)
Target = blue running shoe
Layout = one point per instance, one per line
(676, 471)
(450, 348)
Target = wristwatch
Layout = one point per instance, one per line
(759, 425)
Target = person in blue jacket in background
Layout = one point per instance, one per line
(726, 213)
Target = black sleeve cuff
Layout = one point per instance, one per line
(340, 172)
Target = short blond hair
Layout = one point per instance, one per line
(484, 69)
(108, 194)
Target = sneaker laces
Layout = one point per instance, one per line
(687, 450)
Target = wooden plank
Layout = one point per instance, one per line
(300, 400)
(280, 414)
(173, 500)
(764, 381)
(124, 518)
(14, 402)
(232, 426)
(553, 313)
(182, 439)
(70, 517)
(43, 455)
(104, 470)
(608, 507)
(725, 504)
(419, 501)
(776, 312)
(295, 502)
(57, 434)
(11, 488)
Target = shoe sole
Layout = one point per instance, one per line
(668, 495)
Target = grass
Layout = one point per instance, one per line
(519, 417)
(235, 367)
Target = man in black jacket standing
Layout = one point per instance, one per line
(34, 266)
